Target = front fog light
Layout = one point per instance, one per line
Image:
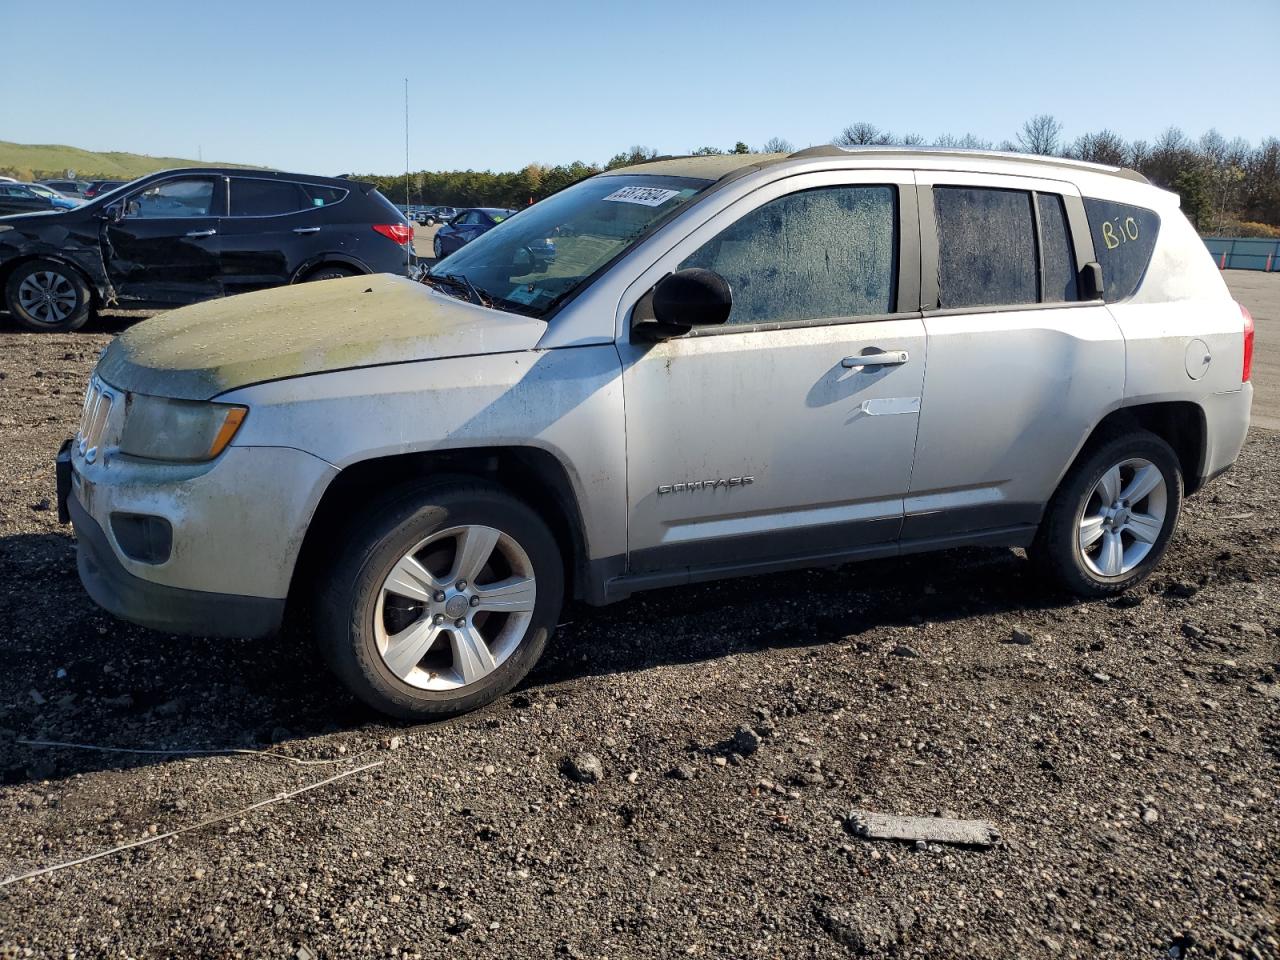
(189, 431)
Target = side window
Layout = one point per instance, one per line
(173, 199)
(265, 198)
(469, 219)
(1056, 254)
(318, 196)
(986, 247)
(824, 253)
(1124, 237)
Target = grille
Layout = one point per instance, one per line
(98, 401)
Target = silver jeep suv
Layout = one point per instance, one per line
(678, 371)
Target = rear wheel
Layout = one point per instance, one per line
(48, 296)
(442, 597)
(1111, 520)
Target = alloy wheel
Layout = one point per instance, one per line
(47, 297)
(455, 608)
(1123, 517)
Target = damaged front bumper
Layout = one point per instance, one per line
(205, 549)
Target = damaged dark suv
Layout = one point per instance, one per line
(182, 236)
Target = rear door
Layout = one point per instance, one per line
(273, 228)
(164, 248)
(1020, 368)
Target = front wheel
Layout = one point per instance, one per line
(441, 598)
(438, 248)
(1110, 521)
(48, 296)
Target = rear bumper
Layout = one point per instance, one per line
(161, 607)
(1226, 428)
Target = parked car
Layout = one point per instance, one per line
(433, 215)
(68, 188)
(98, 187)
(183, 236)
(465, 226)
(735, 367)
(32, 198)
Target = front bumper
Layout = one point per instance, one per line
(237, 525)
(154, 605)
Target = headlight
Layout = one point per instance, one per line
(181, 430)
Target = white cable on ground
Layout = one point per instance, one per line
(179, 752)
(195, 826)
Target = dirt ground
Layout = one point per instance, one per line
(1128, 753)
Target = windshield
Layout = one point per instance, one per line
(532, 261)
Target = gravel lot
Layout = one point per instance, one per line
(1128, 752)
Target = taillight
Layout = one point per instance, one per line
(1248, 345)
(399, 232)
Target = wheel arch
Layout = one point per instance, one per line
(1180, 423)
(97, 290)
(328, 259)
(531, 474)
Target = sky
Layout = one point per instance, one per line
(318, 86)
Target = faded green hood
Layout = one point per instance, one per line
(200, 351)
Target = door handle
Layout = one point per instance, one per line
(886, 358)
(306, 229)
(201, 233)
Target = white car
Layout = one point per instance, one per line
(733, 365)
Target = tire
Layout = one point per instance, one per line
(416, 528)
(438, 249)
(48, 296)
(329, 272)
(1124, 542)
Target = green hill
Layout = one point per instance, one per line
(30, 161)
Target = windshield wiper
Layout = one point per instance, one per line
(459, 281)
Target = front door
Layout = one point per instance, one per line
(788, 433)
(164, 248)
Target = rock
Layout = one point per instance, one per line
(745, 741)
(170, 708)
(305, 953)
(584, 768)
(1192, 631)
(1100, 677)
(902, 650)
(461, 924)
(633, 777)
(37, 697)
(1020, 637)
(395, 743)
(1253, 629)
(1182, 588)
(681, 772)
(1150, 815)
(41, 505)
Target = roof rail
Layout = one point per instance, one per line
(831, 150)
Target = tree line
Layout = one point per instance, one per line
(1228, 187)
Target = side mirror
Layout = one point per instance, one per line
(114, 212)
(682, 300)
(1091, 283)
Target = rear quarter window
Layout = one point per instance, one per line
(1124, 237)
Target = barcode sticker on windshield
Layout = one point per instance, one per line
(647, 196)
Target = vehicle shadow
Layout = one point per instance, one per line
(70, 672)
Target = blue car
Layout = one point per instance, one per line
(465, 227)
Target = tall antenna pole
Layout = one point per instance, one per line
(408, 253)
